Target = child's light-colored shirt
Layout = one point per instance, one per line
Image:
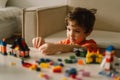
(89, 44)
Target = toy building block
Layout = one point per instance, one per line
(72, 59)
(30, 65)
(38, 69)
(12, 63)
(33, 67)
(71, 72)
(44, 65)
(84, 73)
(80, 52)
(80, 62)
(3, 45)
(47, 77)
(26, 64)
(51, 62)
(57, 69)
(61, 64)
(93, 57)
(59, 59)
(19, 48)
(43, 60)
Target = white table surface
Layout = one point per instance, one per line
(17, 72)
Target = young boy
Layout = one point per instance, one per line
(79, 24)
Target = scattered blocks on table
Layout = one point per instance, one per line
(43, 60)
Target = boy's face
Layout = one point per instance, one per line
(75, 33)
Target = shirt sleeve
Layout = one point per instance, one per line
(66, 41)
(90, 45)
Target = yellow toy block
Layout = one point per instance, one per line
(44, 65)
(93, 57)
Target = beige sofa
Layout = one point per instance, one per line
(50, 25)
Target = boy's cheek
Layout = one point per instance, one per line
(79, 39)
(67, 34)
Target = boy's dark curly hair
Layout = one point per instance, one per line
(83, 17)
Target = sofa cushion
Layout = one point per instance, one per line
(9, 12)
(3, 3)
(61, 35)
(103, 38)
(106, 38)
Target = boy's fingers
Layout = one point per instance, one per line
(42, 50)
(34, 42)
(39, 43)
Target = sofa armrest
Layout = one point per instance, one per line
(43, 21)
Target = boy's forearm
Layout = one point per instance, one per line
(67, 48)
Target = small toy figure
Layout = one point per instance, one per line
(108, 61)
(20, 48)
(3, 45)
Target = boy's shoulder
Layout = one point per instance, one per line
(88, 42)
(91, 41)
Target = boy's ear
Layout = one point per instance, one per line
(93, 10)
(87, 34)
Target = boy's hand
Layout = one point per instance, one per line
(37, 42)
(48, 48)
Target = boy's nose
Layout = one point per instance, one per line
(72, 34)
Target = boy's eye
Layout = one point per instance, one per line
(77, 31)
(68, 29)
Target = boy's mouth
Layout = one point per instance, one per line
(72, 40)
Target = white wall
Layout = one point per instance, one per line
(41, 3)
(108, 14)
